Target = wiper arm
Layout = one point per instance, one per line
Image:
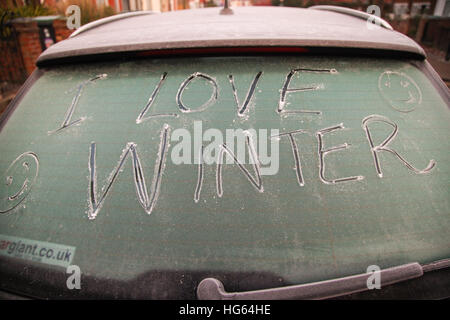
(213, 289)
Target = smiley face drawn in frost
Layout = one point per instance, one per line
(400, 91)
(19, 178)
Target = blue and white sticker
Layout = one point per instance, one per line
(39, 251)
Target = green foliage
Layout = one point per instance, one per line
(11, 11)
(26, 11)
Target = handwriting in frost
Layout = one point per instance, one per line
(20, 177)
(30, 165)
(323, 152)
(295, 153)
(383, 146)
(141, 117)
(147, 202)
(242, 109)
(69, 113)
(287, 90)
(400, 91)
(255, 181)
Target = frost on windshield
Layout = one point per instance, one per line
(304, 168)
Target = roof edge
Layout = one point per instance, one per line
(103, 21)
(355, 13)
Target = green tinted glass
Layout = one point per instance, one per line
(100, 164)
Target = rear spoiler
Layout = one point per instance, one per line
(355, 13)
(229, 51)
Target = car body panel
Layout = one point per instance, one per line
(247, 27)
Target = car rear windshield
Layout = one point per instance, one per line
(150, 175)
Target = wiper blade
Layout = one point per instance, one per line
(213, 289)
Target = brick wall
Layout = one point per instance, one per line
(29, 42)
(12, 71)
(61, 31)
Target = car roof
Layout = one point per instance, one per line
(246, 27)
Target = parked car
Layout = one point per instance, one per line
(256, 152)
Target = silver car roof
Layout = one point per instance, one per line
(246, 27)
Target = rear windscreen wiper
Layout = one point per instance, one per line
(213, 289)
